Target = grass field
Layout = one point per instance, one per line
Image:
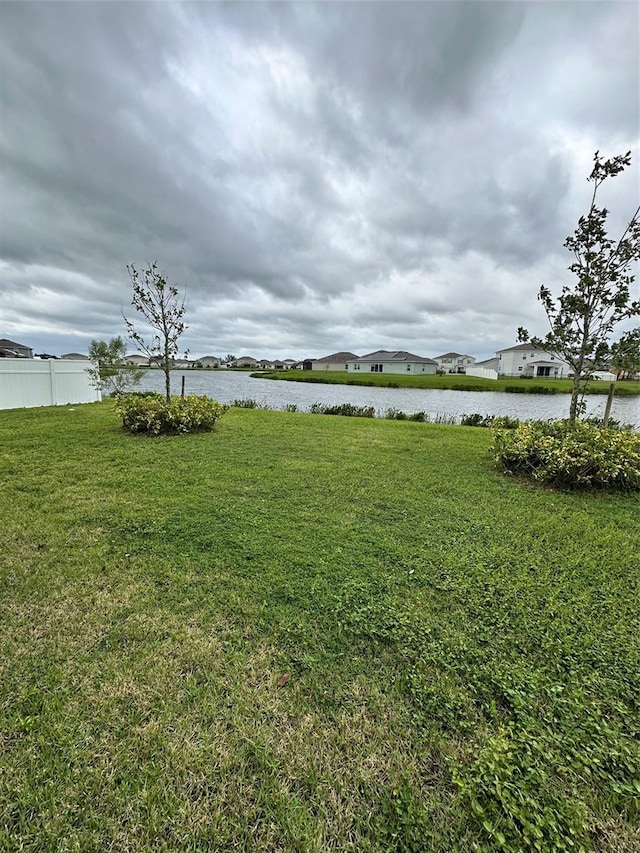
(309, 633)
(451, 382)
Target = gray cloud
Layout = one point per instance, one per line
(318, 176)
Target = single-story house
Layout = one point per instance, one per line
(75, 356)
(208, 361)
(454, 362)
(11, 349)
(530, 361)
(265, 364)
(136, 360)
(335, 361)
(399, 361)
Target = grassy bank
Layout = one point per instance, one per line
(309, 633)
(451, 382)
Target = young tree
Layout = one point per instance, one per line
(111, 375)
(625, 355)
(583, 317)
(163, 308)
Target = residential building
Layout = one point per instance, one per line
(454, 362)
(397, 362)
(136, 360)
(11, 349)
(208, 361)
(245, 361)
(335, 361)
(75, 356)
(529, 361)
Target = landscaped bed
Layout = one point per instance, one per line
(309, 633)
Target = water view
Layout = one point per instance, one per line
(228, 386)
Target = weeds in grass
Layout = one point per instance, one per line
(461, 649)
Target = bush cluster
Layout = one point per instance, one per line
(153, 415)
(576, 456)
(496, 421)
(347, 410)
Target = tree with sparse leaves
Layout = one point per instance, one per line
(584, 316)
(111, 375)
(625, 355)
(163, 308)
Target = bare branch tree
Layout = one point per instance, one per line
(163, 308)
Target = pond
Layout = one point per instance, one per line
(229, 385)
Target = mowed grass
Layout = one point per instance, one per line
(452, 382)
(309, 633)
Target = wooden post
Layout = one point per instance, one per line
(182, 392)
(607, 408)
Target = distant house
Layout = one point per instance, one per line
(11, 349)
(75, 356)
(489, 363)
(264, 364)
(527, 360)
(336, 361)
(397, 362)
(136, 360)
(454, 362)
(208, 361)
(245, 361)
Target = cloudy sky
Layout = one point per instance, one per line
(318, 177)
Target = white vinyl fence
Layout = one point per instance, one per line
(29, 382)
(482, 372)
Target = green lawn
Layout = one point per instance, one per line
(450, 382)
(309, 633)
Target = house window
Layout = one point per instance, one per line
(408, 367)
(553, 358)
(520, 368)
(376, 368)
(525, 355)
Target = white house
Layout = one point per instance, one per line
(136, 360)
(335, 361)
(208, 361)
(397, 362)
(530, 361)
(454, 362)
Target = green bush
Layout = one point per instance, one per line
(347, 410)
(153, 415)
(577, 456)
(497, 421)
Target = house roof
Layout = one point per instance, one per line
(519, 347)
(452, 355)
(75, 356)
(338, 356)
(5, 343)
(398, 355)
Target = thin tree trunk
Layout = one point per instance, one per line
(607, 408)
(575, 393)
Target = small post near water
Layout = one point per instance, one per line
(182, 391)
(607, 408)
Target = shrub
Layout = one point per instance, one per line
(497, 421)
(152, 414)
(347, 410)
(576, 456)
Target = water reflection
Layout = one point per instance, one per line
(227, 386)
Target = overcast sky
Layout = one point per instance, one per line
(318, 177)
